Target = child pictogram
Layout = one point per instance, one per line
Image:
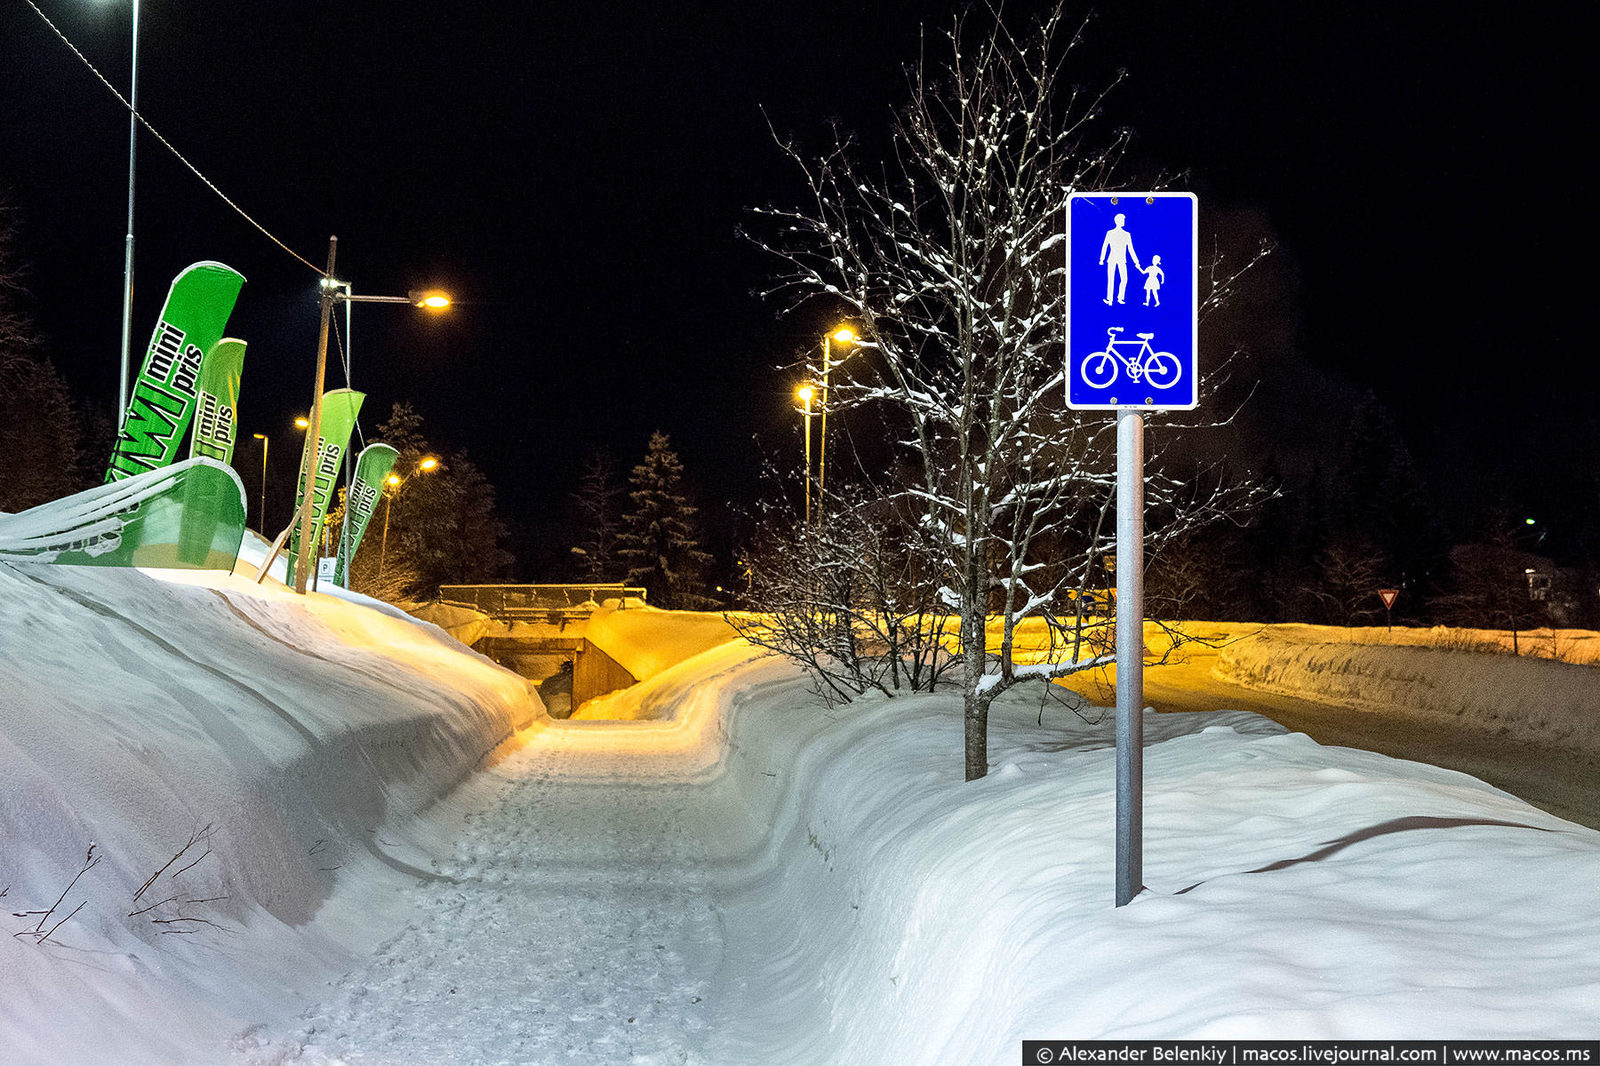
(1153, 277)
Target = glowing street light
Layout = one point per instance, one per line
(805, 392)
(334, 291)
(261, 519)
(301, 422)
(844, 335)
(392, 483)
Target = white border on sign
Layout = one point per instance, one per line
(1194, 298)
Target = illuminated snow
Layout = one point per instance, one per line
(740, 876)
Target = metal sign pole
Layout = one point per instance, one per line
(1130, 655)
(1132, 353)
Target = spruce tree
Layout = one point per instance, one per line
(658, 542)
(598, 517)
(443, 527)
(41, 427)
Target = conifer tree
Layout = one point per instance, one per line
(599, 518)
(658, 542)
(442, 524)
(41, 428)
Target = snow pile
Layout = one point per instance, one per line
(1294, 891)
(1555, 704)
(1561, 645)
(745, 876)
(462, 623)
(277, 745)
(645, 641)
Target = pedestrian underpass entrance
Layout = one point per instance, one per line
(540, 633)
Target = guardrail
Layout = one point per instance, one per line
(536, 602)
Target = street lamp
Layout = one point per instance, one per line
(261, 518)
(805, 392)
(844, 335)
(301, 422)
(127, 253)
(391, 486)
(335, 291)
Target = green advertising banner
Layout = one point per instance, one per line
(339, 410)
(164, 396)
(189, 516)
(371, 469)
(216, 415)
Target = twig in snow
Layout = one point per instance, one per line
(62, 922)
(153, 906)
(194, 838)
(90, 861)
(192, 865)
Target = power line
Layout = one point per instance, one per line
(168, 144)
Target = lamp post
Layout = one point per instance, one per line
(261, 518)
(805, 392)
(334, 291)
(844, 335)
(127, 252)
(392, 485)
(428, 299)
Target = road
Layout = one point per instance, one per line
(1557, 781)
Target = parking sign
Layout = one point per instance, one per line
(1133, 300)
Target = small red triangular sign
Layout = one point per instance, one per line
(1389, 596)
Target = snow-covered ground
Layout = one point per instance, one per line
(741, 876)
(279, 747)
(1533, 699)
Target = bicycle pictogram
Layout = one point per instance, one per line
(1160, 370)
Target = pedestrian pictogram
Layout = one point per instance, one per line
(1140, 352)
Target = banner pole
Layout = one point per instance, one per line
(272, 556)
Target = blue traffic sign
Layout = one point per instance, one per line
(1133, 300)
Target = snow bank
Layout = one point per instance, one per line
(1555, 704)
(280, 743)
(1562, 645)
(865, 905)
(645, 641)
(462, 623)
(882, 911)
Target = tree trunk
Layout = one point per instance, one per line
(977, 726)
(974, 653)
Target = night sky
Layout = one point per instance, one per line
(575, 174)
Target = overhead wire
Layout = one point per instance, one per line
(168, 144)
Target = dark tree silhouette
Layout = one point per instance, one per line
(597, 502)
(658, 542)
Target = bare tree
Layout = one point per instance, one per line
(950, 256)
(852, 599)
(1349, 576)
(1489, 582)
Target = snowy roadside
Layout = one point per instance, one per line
(256, 757)
(744, 876)
(734, 875)
(1293, 890)
(1533, 700)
